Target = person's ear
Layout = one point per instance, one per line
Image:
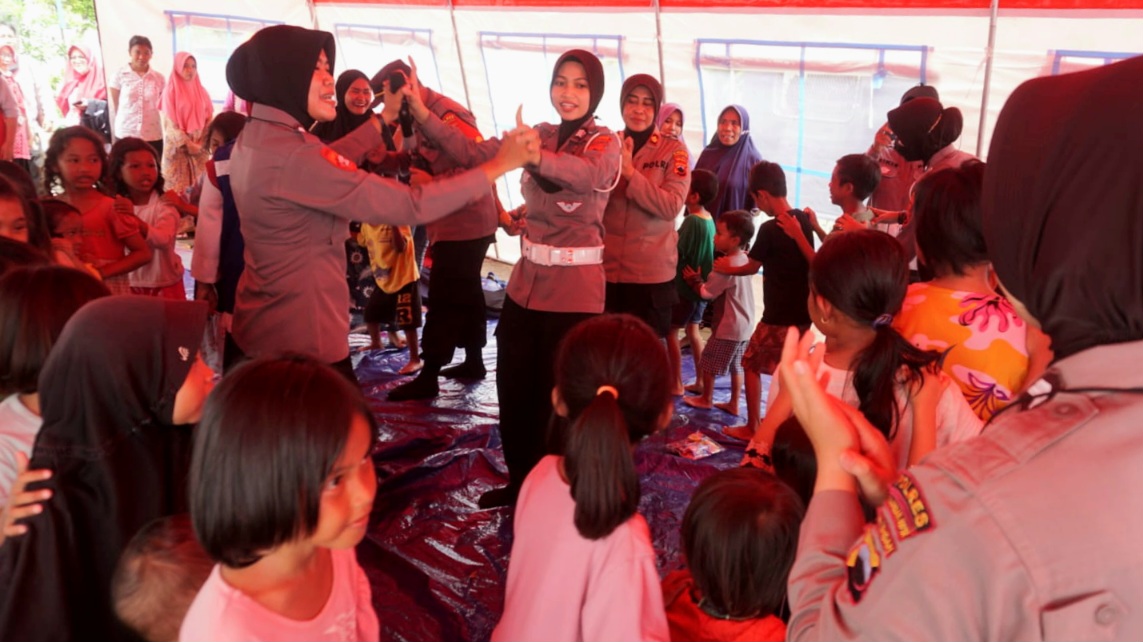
(558, 404)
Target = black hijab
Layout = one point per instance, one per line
(275, 66)
(346, 120)
(641, 80)
(1063, 204)
(924, 127)
(108, 392)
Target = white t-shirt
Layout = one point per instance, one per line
(563, 586)
(139, 97)
(221, 612)
(166, 267)
(734, 315)
(18, 429)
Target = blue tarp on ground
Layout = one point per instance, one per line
(438, 564)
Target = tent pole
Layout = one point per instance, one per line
(459, 55)
(988, 55)
(659, 42)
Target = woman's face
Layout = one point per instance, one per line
(13, 220)
(7, 57)
(639, 109)
(322, 104)
(673, 126)
(358, 97)
(78, 61)
(571, 95)
(729, 127)
(190, 69)
(140, 57)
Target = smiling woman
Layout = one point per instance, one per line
(730, 155)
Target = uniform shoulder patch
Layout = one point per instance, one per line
(599, 143)
(680, 162)
(907, 510)
(337, 160)
(862, 564)
(655, 138)
(453, 120)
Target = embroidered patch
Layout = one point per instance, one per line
(449, 118)
(568, 207)
(885, 536)
(599, 143)
(655, 139)
(863, 563)
(681, 161)
(337, 160)
(907, 509)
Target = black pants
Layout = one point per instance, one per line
(232, 356)
(456, 301)
(525, 359)
(651, 302)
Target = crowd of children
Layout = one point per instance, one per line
(246, 527)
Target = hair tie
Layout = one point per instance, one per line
(602, 389)
(882, 321)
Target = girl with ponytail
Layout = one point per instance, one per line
(858, 282)
(582, 564)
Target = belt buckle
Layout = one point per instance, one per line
(567, 257)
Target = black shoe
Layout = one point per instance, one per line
(498, 497)
(466, 370)
(423, 387)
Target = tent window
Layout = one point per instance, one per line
(211, 38)
(381, 44)
(1066, 62)
(809, 103)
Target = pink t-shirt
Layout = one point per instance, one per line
(221, 612)
(562, 586)
(102, 243)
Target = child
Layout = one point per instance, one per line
(858, 284)
(117, 391)
(65, 224)
(74, 166)
(158, 576)
(281, 488)
(733, 311)
(397, 295)
(739, 535)
(35, 303)
(582, 565)
(696, 251)
(783, 254)
(134, 174)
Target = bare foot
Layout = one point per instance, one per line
(694, 388)
(412, 367)
(697, 402)
(395, 341)
(678, 391)
(731, 408)
(745, 433)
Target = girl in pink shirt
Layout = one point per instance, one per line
(582, 564)
(281, 488)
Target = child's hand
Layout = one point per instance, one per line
(721, 265)
(123, 206)
(23, 503)
(789, 224)
(419, 177)
(691, 275)
(846, 223)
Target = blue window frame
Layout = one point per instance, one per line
(211, 38)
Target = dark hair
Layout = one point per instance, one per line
(769, 177)
(860, 171)
(54, 212)
(56, 147)
(864, 275)
(158, 576)
(119, 152)
(16, 254)
(740, 225)
(35, 303)
(705, 183)
(270, 434)
(229, 124)
(739, 535)
(793, 456)
(13, 188)
(620, 351)
(139, 40)
(947, 206)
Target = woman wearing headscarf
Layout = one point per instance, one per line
(559, 280)
(117, 392)
(640, 245)
(297, 196)
(730, 155)
(1040, 510)
(22, 133)
(670, 121)
(186, 109)
(83, 81)
(354, 98)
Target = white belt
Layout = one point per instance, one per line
(551, 255)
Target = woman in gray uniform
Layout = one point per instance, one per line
(295, 196)
(559, 280)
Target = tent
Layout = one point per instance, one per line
(817, 76)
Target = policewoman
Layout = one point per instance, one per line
(640, 244)
(295, 196)
(1030, 531)
(559, 280)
